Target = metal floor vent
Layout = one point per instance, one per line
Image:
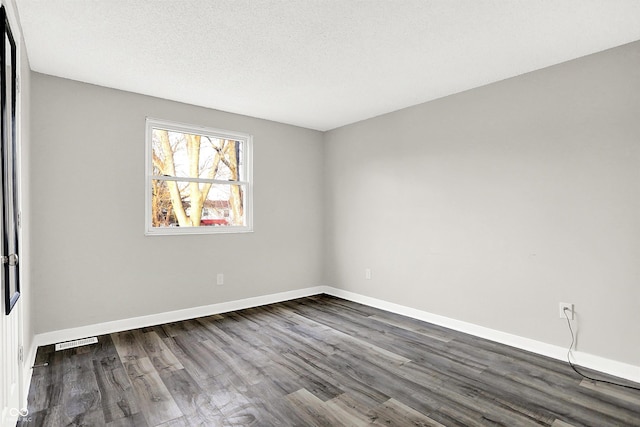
(76, 343)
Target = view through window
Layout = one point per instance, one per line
(198, 179)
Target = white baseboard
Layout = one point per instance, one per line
(54, 337)
(587, 360)
(598, 363)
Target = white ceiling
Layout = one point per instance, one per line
(319, 64)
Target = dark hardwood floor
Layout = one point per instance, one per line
(317, 361)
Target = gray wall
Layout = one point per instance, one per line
(493, 205)
(489, 206)
(91, 262)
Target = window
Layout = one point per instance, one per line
(198, 180)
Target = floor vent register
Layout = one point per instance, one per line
(76, 343)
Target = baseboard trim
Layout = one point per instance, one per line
(598, 363)
(54, 337)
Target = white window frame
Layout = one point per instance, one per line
(246, 182)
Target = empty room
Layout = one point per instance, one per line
(320, 213)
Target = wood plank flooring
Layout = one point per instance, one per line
(317, 361)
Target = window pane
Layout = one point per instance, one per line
(196, 156)
(192, 204)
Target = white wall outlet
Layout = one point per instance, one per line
(367, 273)
(220, 279)
(569, 310)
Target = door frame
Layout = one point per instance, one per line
(12, 391)
(8, 156)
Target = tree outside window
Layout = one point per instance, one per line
(198, 180)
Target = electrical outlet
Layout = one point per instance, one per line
(220, 279)
(569, 308)
(367, 273)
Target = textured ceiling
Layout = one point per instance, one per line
(319, 64)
